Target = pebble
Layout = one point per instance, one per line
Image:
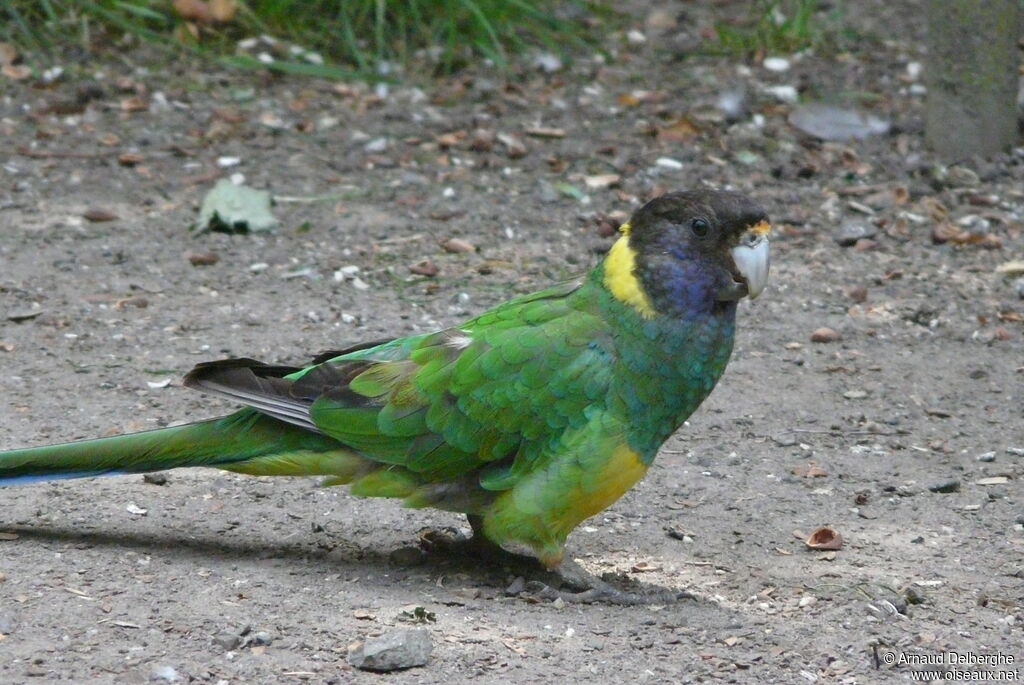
(1015, 451)
(669, 163)
(825, 335)
(776, 64)
(732, 104)
(376, 146)
(855, 394)
(8, 623)
(406, 556)
(852, 231)
(986, 457)
(548, 63)
(398, 649)
(516, 587)
(945, 487)
(228, 640)
(1018, 285)
(808, 600)
(167, 674)
(158, 478)
(786, 94)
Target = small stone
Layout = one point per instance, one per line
(986, 457)
(203, 258)
(376, 146)
(8, 623)
(858, 294)
(458, 246)
(961, 177)
(548, 62)
(515, 148)
(228, 640)
(855, 394)
(851, 231)
(158, 478)
(825, 335)
(776, 64)
(398, 649)
(808, 600)
(98, 214)
(167, 674)
(406, 556)
(635, 37)
(261, 639)
(424, 268)
(785, 94)
(945, 487)
(516, 587)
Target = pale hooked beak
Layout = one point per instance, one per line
(752, 258)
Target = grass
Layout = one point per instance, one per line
(355, 37)
(776, 27)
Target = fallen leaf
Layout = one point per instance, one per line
(825, 539)
(231, 208)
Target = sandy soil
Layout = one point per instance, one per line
(924, 391)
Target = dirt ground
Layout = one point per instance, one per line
(906, 435)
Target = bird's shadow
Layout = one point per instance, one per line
(330, 553)
(326, 553)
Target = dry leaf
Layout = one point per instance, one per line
(825, 539)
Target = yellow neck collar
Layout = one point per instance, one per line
(620, 279)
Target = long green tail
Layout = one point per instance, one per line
(246, 442)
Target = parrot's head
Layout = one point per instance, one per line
(690, 252)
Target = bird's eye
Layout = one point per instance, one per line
(699, 227)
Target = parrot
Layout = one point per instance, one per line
(529, 418)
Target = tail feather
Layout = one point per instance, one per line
(234, 442)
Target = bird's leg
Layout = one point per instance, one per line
(581, 585)
(588, 588)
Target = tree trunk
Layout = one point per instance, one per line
(972, 76)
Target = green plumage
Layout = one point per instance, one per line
(532, 416)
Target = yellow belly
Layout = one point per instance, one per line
(545, 507)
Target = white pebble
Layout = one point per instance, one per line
(225, 162)
(669, 163)
(776, 64)
(636, 37)
(787, 94)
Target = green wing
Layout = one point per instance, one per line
(487, 399)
